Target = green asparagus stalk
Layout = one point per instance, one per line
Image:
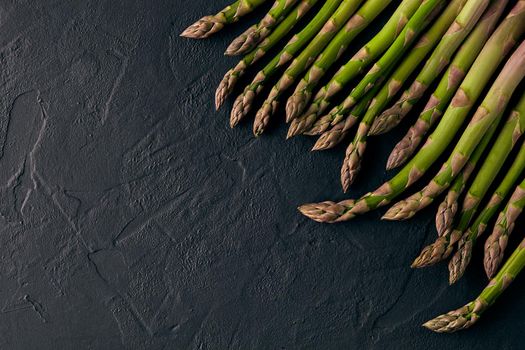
(248, 40)
(303, 92)
(303, 61)
(460, 260)
(447, 238)
(489, 170)
(208, 25)
(233, 75)
(448, 208)
(439, 60)
(496, 244)
(448, 85)
(355, 151)
(360, 61)
(482, 70)
(489, 112)
(469, 314)
(401, 74)
(243, 103)
(417, 23)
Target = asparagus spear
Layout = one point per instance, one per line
(303, 61)
(440, 58)
(469, 314)
(414, 26)
(489, 170)
(243, 103)
(232, 76)
(208, 25)
(448, 85)
(497, 242)
(459, 262)
(354, 153)
(366, 14)
(420, 50)
(482, 70)
(362, 59)
(489, 111)
(448, 208)
(248, 40)
(447, 235)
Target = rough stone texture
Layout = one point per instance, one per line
(132, 217)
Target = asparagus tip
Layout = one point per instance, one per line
(294, 106)
(203, 28)
(455, 320)
(433, 253)
(241, 107)
(493, 255)
(261, 119)
(327, 212)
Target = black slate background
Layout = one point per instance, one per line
(132, 217)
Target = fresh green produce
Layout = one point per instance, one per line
(459, 262)
(303, 92)
(457, 32)
(355, 151)
(340, 126)
(425, 44)
(448, 208)
(304, 60)
(208, 25)
(231, 78)
(496, 243)
(244, 102)
(415, 25)
(469, 314)
(489, 112)
(248, 40)
(477, 62)
(494, 161)
(447, 87)
(494, 52)
(359, 62)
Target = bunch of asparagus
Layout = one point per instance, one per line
(463, 59)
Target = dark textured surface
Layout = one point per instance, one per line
(134, 218)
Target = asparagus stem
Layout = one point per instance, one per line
(248, 40)
(448, 85)
(448, 208)
(303, 61)
(355, 151)
(208, 25)
(362, 59)
(512, 131)
(488, 112)
(303, 92)
(469, 314)
(489, 170)
(233, 75)
(482, 70)
(415, 25)
(243, 103)
(497, 242)
(439, 60)
(395, 82)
